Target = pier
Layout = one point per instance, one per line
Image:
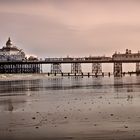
(35, 66)
(14, 60)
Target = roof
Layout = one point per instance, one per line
(10, 49)
(9, 46)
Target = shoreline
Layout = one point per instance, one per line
(27, 76)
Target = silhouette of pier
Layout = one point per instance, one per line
(35, 65)
(14, 60)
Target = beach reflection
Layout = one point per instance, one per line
(19, 87)
(15, 94)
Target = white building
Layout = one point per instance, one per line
(126, 56)
(11, 52)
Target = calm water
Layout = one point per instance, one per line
(67, 85)
(69, 88)
(70, 106)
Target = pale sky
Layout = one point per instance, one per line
(71, 27)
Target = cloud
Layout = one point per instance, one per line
(74, 27)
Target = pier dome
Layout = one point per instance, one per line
(9, 42)
(9, 46)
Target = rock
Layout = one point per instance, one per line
(65, 117)
(111, 114)
(125, 126)
(33, 118)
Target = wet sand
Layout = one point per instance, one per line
(112, 113)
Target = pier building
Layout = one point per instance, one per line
(127, 56)
(10, 53)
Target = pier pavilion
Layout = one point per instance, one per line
(11, 53)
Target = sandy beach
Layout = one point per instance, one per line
(101, 109)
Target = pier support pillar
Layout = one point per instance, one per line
(117, 69)
(76, 68)
(97, 68)
(56, 68)
(40, 68)
(138, 68)
(1, 68)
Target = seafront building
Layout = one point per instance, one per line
(126, 56)
(11, 53)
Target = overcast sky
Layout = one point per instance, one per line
(71, 27)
